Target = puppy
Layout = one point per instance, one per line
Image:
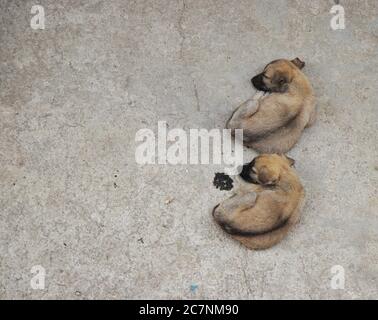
(273, 121)
(264, 209)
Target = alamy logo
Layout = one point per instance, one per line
(38, 20)
(198, 146)
(38, 281)
(338, 20)
(338, 278)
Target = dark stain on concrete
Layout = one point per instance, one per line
(223, 181)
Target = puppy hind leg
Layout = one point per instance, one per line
(253, 104)
(246, 200)
(248, 107)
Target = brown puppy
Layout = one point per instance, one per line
(261, 213)
(273, 122)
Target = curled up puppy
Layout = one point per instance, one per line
(274, 119)
(268, 204)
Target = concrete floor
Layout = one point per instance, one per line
(74, 200)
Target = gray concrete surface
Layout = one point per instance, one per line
(74, 200)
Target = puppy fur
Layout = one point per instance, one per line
(266, 207)
(273, 122)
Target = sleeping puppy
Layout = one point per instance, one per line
(274, 119)
(265, 208)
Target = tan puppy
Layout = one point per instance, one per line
(273, 122)
(262, 211)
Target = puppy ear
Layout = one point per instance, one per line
(300, 64)
(290, 160)
(266, 177)
(280, 83)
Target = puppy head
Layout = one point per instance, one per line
(277, 75)
(266, 169)
(233, 214)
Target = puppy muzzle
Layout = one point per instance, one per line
(246, 175)
(258, 83)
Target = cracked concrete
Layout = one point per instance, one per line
(74, 201)
(180, 28)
